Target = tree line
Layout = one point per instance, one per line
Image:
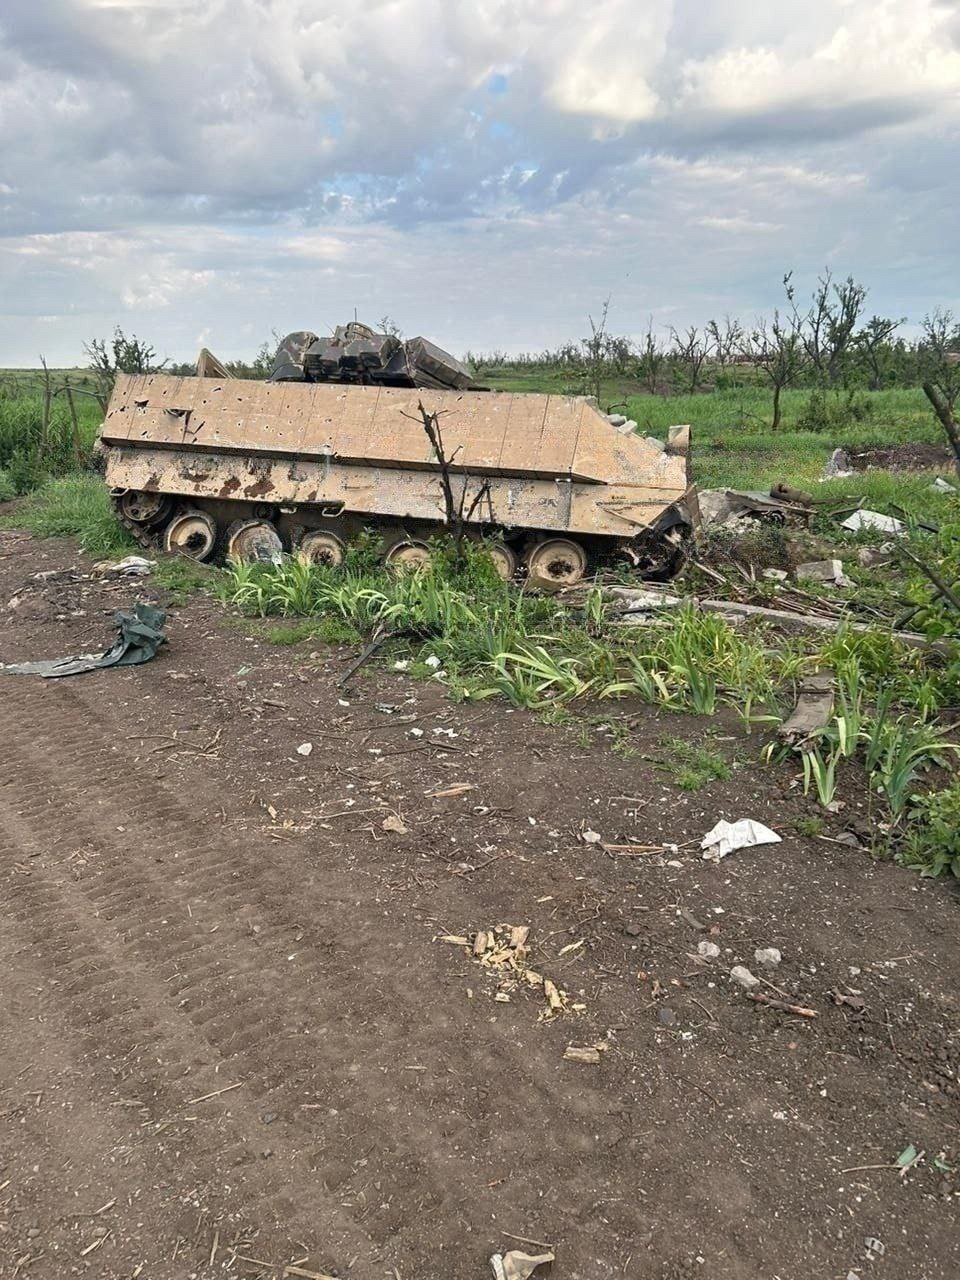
(827, 341)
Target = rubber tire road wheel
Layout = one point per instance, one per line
(556, 562)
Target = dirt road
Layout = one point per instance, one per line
(232, 1043)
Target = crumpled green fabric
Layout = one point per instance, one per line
(139, 636)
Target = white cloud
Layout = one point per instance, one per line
(484, 169)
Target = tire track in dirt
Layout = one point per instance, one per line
(66, 1101)
(125, 1030)
(230, 1002)
(241, 1025)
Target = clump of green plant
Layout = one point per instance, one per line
(182, 577)
(326, 629)
(810, 825)
(834, 411)
(693, 765)
(932, 843)
(78, 506)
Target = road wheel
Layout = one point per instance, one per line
(253, 542)
(321, 548)
(504, 559)
(191, 533)
(556, 562)
(409, 556)
(144, 508)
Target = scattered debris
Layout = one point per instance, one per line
(708, 950)
(943, 486)
(768, 957)
(139, 635)
(728, 836)
(304, 748)
(503, 950)
(775, 575)
(589, 1054)
(129, 567)
(875, 557)
(823, 571)
(458, 789)
(590, 837)
(875, 1248)
(722, 506)
(813, 710)
(643, 599)
(874, 520)
(783, 1005)
(516, 1265)
(908, 1159)
(740, 973)
(855, 1002)
(395, 824)
(838, 465)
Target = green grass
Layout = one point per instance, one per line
(183, 577)
(21, 419)
(734, 447)
(693, 765)
(322, 630)
(77, 506)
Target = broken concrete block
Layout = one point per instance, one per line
(873, 557)
(838, 464)
(821, 571)
(862, 519)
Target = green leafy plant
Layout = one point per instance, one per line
(820, 769)
(932, 842)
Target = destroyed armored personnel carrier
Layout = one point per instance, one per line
(334, 443)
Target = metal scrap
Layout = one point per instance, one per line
(139, 636)
(813, 709)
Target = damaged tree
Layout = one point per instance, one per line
(777, 349)
(456, 514)
(941, 366)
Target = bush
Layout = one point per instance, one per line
(833, 411)
(932, 844)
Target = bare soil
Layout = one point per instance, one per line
(902, 457)
(232, 1043)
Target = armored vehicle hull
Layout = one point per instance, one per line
(215, 466)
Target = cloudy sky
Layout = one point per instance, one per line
(484, 171)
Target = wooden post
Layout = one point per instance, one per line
(77, 447)
(45, 421)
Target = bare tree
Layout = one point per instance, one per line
(873, 343)
(778, 349)
(650, 359)
(595, 353)
(690, 352)
(124, 354)
(829, 325)
(455, 512)
(389, 326)
(940, 365)
(724, 341)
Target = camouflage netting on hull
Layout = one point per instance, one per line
(357, 354)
